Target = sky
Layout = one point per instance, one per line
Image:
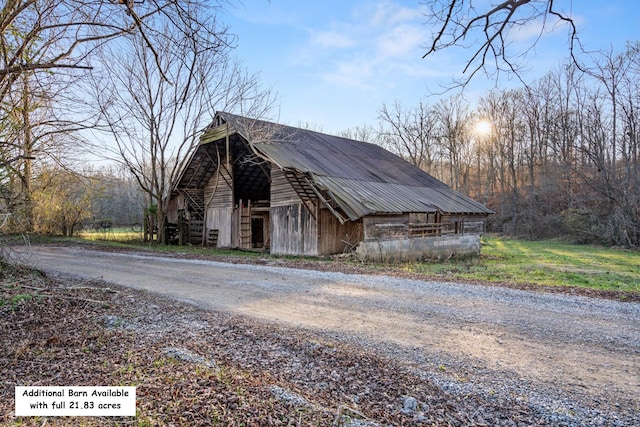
(334, 63)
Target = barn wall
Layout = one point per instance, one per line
(395, 238)
(220, 219)
(334, 237)
(378, 227)
(293, 230)
(175, 203)
(419, 248)
(218, 197)
(218, 191)
(467, 224)
(282, 193)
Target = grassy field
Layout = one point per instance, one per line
(503, 260)
(548, 263)
(119, 234)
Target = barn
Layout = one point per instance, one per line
(254, 184)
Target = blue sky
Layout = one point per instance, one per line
(333, 63)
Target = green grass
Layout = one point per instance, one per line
(119, 234)
(125, 238)
(548, 263)
(15, 300)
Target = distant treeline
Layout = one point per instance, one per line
(557, 158)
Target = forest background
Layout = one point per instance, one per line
(134, 84)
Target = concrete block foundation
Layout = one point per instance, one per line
(416, 249)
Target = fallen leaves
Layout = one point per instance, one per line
(197, 368)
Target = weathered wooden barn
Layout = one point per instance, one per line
(255, 184)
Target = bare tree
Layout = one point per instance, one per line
(46, 47)
(155, 105)
(562, 157)
(49, 35)
(410, 133)
(453, 130)
(365, 133)
(609, 125)
(509, 142)
(38, 120)
(483, 28)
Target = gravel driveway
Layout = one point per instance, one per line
(575, 358)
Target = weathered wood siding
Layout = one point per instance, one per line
(424, 217)
(333, 237)
(296, 232)
(474, 227)
(466, 224)
(218, 196)
(293, 230)
(235, 227)
(379, 228)
(218, 192)
(282, 193)
(176, 202)
(220, 219)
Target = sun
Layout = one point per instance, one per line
(483, 127)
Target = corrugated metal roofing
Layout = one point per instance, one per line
(361, 198)
(363, 178)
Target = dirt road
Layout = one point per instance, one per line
(556, 347)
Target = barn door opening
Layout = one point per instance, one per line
(252, 219)
(257, 232)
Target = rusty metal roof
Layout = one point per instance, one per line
(362, 178)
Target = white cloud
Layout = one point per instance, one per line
(388, 13)
(355, 74)
(377, 45)
(330, 39)
(530, 30)
(399, 41)
(537, 28)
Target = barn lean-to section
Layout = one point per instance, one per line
(258, 185)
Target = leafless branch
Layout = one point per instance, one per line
(458, 23)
